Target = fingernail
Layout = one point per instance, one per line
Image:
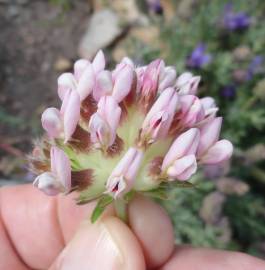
(93, 247)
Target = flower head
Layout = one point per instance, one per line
(132, 129)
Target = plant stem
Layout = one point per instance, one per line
(121, 209)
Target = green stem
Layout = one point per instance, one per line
(121, 209)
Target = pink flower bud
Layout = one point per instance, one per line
(86, 82)
(158, 120)
(140, 75)
(123, 176)
(210, 133)
(59, 179)
(151, 78)
(209, 106)
(70, 111)
(128, 61)
(61, 167)
(66, 83)
(99, 62)
(180, 161)
(167, 79)
(47, 183)
(191, 110)
(183, 168)
(79, 67)
(123, 83)
(187, 84)
(103, 124)
(104, 85)
(219, 152)
(184, 145)
(52, 122)
(210, 150)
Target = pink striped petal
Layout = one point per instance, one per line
(86, 82)
(158, 120)
(123, 176)
(209, 135)
(193, 85)
(187, 84)
(191, 110)
(99, 62)
(183, 79)
(209, 106)
(52, 122)
(124, 164)
(79, 67)
(161, 104)
(66, 83)
(219, 152)
(47, 183)
(168, 80)
(123, 83)
(61, 167)
(184, 144)
(110, 111)
(128, 61)
(99, 131)
(133, 168)
(71, 114)
(104, 85)
(183, 168)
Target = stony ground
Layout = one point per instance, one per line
(38, 40)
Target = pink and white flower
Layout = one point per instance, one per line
(62, 124)
(103, 124)
(210, 150)
(187, 84)
(126, 130)
(180, 161)
(123, 176)
(59, 178)
(158, 120)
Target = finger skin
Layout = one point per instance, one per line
(39, 226)
(8, 256)
(108, 244)
(189, 258)
(71, 215)
(153, 228)
(31, 221)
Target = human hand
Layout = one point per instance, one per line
(41, 232)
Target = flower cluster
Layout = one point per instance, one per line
(233, 21)
(199, 58)
(128, 130)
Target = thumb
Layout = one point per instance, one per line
(107, 244)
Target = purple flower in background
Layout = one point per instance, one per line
(199, 57)
(155, 6)
(228, 91)
(255, 66)
(235, 20)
